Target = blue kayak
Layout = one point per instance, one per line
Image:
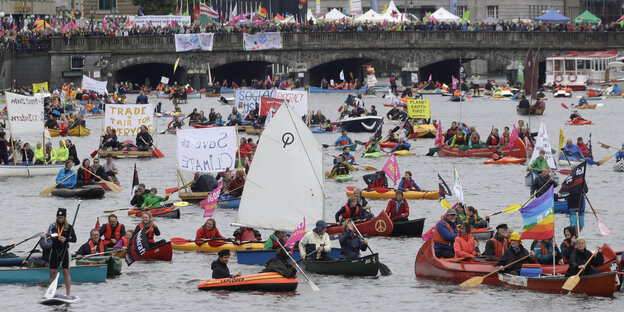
(11, 260)
(81, 273)
(562, 207)
(228, 202)
(263, 256)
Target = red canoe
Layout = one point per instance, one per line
(602, 284)
(427, 265)
(380, 226)
(518, 150)
(162, 252)
(164, 212)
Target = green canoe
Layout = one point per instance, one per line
(363, 266)
(114, 263)
(375, 154)
(343, 178)
(352, 147)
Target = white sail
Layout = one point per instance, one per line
(542, 142)
(285, 181)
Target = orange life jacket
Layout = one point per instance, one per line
(150, 232)
(347, 214)
(499, 248)
(108, 235)
(438, 238)
(565, 260)
(94, 249)
(125, 241)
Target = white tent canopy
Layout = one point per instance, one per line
(444, 16)
(392, 10)
(309, 16)
(289, 20)
(370, 16)
(334, 14)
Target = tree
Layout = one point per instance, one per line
(156, 7)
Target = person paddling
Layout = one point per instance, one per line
(93, 246)
(579, 257)
(246, 234)
(407, 183)
(68, 175)
(545, 250)
(376, 180)
(219, 267)
(341, 167)
(152, 201)
(350, 242)
(272, 242)
(207, 231)
(152, 228)
(349, 211)
(280, 264)
(515, 252)
(316, 245)
(61, 233)
(445, 234)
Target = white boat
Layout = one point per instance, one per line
(285, 182)
(577, 69)
(29, 171)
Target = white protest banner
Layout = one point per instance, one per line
(207, 149)
(161, 20)
(542, 143)
(187, 42)
(25, 113)
(356, 6)
(127, 119)
(94, 85)
(246, 100)
(298, 100)
(164, 79)
(262, 41)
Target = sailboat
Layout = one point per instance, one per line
(541, 143)
(25, 117)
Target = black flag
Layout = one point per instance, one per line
(444, 189)
(137, 246)
(135, 181)
(575, 182)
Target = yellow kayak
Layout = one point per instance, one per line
(425, 131)
(78, 131)
(205, 247)
(403, 153)
(432, 195)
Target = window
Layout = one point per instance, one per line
(107, 4)
(569, 65)
(492, 11)
(557, 65)
(461, 9)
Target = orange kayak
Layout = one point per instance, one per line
(505, 160)
(269, 281)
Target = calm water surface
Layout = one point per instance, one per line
(168, 286)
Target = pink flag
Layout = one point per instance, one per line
(269, 79)
(438, 138)
(210, 203)
(296, 235)
(430, 77)
(454, 82)
(104, 22)
(38, 19)
(514, 136)
(392, 169)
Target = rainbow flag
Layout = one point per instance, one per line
(539, 217)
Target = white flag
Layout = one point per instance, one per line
(342, 75)
(457, 188)
(542, 143)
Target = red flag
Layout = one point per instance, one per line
(438, 138)
(97, 224)
(195, 12)
(267, 104)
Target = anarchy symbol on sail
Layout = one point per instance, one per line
(288, 138)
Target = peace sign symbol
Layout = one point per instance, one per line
(380, 226)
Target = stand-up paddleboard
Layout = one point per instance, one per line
(58, 299)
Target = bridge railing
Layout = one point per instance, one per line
(359, 40)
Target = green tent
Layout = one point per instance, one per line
(587, 17)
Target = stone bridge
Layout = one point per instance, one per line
(301, 52)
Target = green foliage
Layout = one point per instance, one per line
(156, 7)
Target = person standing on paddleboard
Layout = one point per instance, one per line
(61, 234)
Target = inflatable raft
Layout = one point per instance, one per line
(85, 192)
(268, 281)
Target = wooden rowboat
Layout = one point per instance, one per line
(602, 284)
(78, 131)
(379, 226)
(29, 170)
(363, 266)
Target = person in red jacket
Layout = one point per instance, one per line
(464, 243)
(397, 208)
(582, 146)
(207, 231)
(235, 188)
(244, 148)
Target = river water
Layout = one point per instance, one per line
(173, 285)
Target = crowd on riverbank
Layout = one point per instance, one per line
(29, 38)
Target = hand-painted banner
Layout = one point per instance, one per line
(268, 104)
(127, 119)
(356, 6)
(210, 203)
(246, 100)
(161, 20)
(207, 149)
(25, 113)
(298, 100)
(40, 87)
(187, 42)
(262, 41)
(296, 235)
(418, 108)
(94, 85)
(392, 169)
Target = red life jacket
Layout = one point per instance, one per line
(544, 251)
(108, 235)
(504, 141)
(408, 185)
(248, 235)
(460, 138)
(96, 249)
(150, 232)
(377, 183)
(87, 175)
(438, 238)
(474, 140)
(347, 214)
(565, 260)
(125, 241)
(499, 248)
(494, 140)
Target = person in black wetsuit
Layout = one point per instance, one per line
(61, 233)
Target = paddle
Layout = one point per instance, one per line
(370, 168)
(603, 229)
(172, 190)
(604, 160)
(100, 253)
(564, 106)
(52, 288)
(312, 285)
(445, 204)
(181, 204)
(110, 184)
(49, 189)
(510, 208)
(8, 248)
(572, 281)
(385, 271)
(478, 280)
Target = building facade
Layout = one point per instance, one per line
(33, 7)
(97, 9)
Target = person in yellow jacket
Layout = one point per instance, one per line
(62, 153)
(50, 153)
(39, 156)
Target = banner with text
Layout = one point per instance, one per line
(40, 87)
(210, 203)
(418, 108)
(161, 20)
(298, 100)
(246, 100)
(269, 105)
(262, 41)
(25, 113)
(187, 42)
(207, 149)
(356, 6)
(94, 85)
(127, 119)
